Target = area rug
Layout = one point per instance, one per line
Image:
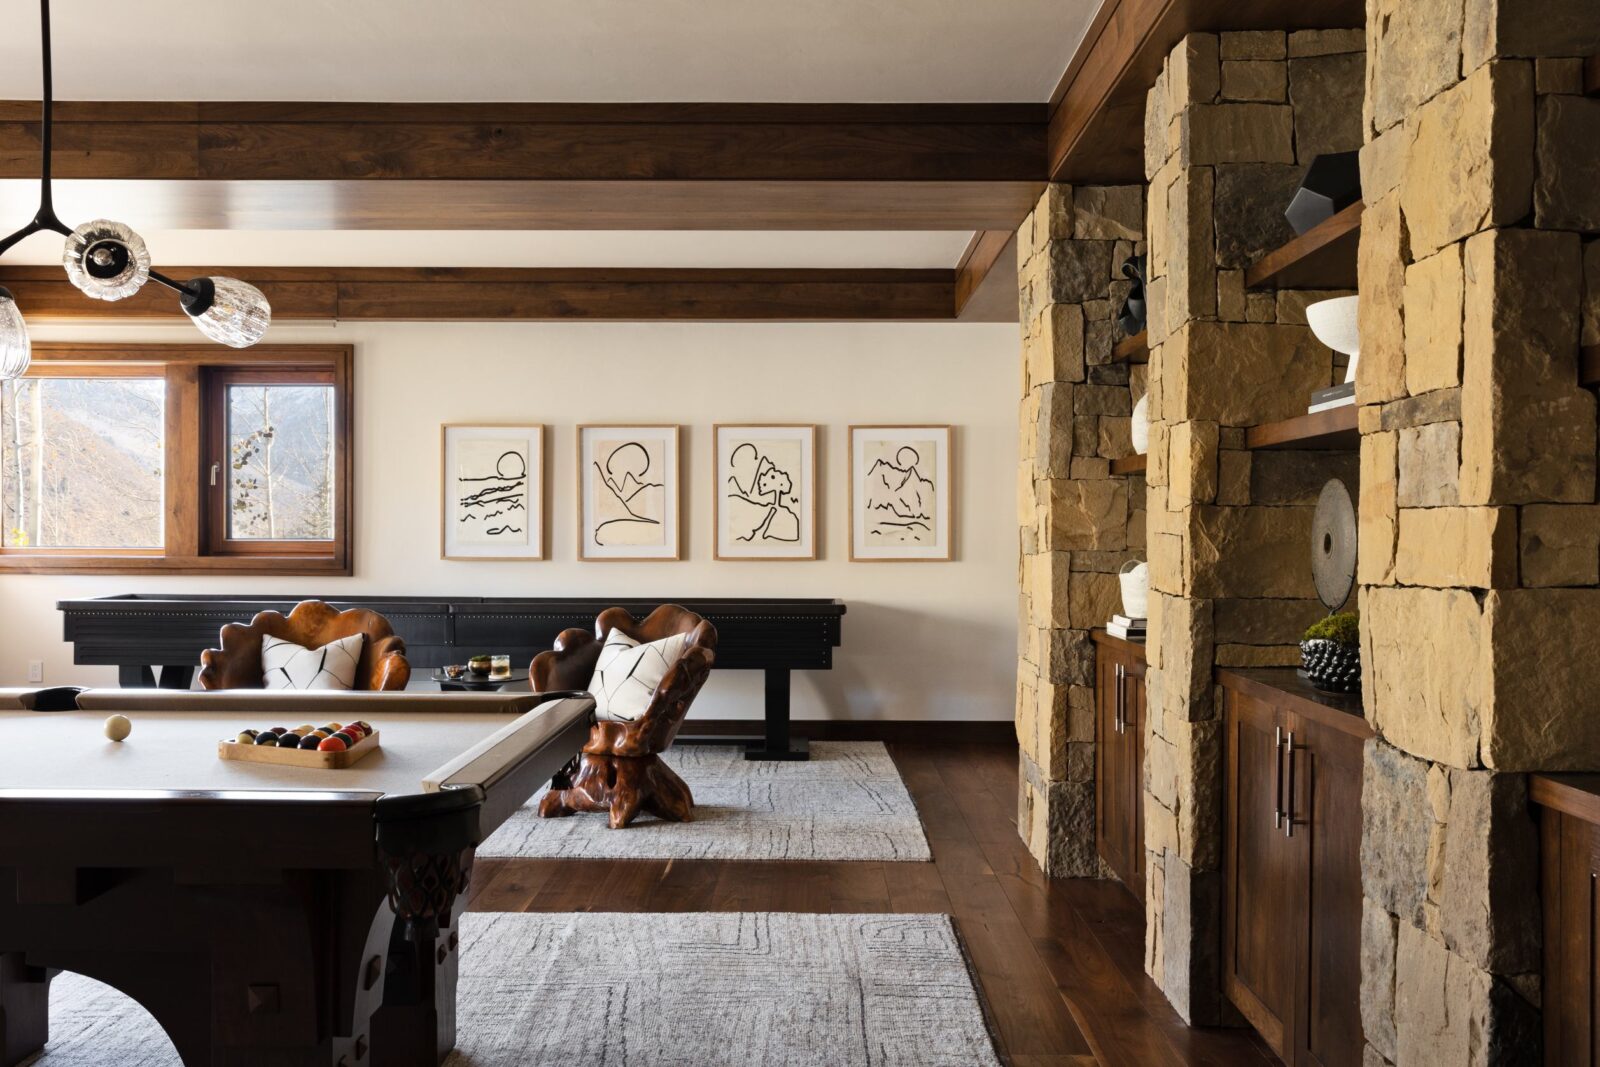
(846, 803)
(754, 989)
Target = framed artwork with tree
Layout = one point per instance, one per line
(765, 491)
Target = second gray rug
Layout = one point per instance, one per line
(847, 802)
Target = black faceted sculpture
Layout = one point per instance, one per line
(1132, 316)
(1332, 183)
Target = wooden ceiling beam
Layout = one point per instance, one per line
(1096, 127)
(363, 294)
(986, 278)
(435, 166)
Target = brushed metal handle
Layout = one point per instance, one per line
(1277, 777)
(1120, 721)
(1288, 801)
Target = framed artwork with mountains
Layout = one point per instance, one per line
(491, 492)
(766, 491)
(628, 488)
(902, 493)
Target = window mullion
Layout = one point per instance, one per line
(185, 461)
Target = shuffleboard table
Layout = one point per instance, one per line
(262, 914)
(156, 638)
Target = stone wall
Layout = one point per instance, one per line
(1230, 126)
(1077, 522)
(1480, 531)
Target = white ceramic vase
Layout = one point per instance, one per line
(1139, 426)
(1334, 323)
(1135, 580)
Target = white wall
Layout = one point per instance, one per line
(921, 640)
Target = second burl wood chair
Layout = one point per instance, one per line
(312, 624)
(619, 770)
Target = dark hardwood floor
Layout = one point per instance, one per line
(1061, 963)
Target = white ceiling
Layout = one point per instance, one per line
(539, 50)
(531, 248)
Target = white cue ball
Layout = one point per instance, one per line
(118, 727)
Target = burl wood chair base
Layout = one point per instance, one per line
(621, 785)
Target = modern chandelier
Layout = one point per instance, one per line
(108, 261)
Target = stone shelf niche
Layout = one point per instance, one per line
(1324, 257)
(1334, 429)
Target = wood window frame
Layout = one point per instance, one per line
(194, 433)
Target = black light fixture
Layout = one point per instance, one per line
(108, 261)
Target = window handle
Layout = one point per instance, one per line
(216, 469)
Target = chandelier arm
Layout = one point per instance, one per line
(177, 287)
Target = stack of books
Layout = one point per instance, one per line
(1129, 629)
(1334, 396)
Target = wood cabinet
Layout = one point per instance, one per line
(1569, 830)
(1292, 864)
(1119, 758)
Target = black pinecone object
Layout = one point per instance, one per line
(1331, 665)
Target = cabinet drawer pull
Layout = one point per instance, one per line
(1277, 778)
(1288, 800)
(1121, 673)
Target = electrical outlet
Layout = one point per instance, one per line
(36, 670)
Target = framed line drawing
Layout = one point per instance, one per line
(764, 491)
(491, 489)
(628, 493)
(902, 493)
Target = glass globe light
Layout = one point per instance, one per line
(228, 311)
(16, 352)
(106, 260)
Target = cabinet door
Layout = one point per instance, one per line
(1570, 892)
(1133, 753)
(1263, 874)
(1323, 796)
(1116, 780)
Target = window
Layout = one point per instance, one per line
(178, 459)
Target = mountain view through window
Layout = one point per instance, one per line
(82, 462)
(281, 462)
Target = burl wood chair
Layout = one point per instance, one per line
(620, 770)
(312, 624)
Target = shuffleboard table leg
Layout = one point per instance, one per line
(177, 676)
(135, 676)
(24, 1008)
(778, 744)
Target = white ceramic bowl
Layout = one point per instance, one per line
(1139, 425)
(1334, 323)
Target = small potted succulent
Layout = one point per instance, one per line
(1331, 653)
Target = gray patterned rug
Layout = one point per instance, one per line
(754, 989)
(846, 803)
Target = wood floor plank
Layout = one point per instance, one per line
(1060, 962)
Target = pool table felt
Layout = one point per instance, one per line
(178, 750)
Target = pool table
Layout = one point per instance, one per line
(263, 914)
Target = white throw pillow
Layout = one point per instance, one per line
(627, 674)
(286, 665)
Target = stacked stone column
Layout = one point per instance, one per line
(1230, 126)
(1077, 522)
(1480, 533)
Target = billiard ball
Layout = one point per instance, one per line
(310, 742)
(247, 737)
(331, 744)
(303, 729)
(348, 739)
(266, 737)
(118, 727)
(289, 740)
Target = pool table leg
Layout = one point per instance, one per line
(24, 1008)
(416, 1024)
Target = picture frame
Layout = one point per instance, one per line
(764, 491)
(488, 474)
(902, 501)
(629, 492)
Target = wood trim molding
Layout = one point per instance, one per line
(353, 294)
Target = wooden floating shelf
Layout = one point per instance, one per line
(1324, 257)
(1329, 430)
(1133, 349)
(1130, 464)
(1589, 365)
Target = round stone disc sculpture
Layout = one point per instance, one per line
(1333, 545)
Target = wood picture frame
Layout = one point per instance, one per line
(750, 461)
(478, 502)
(629, 492)
(915, 529)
